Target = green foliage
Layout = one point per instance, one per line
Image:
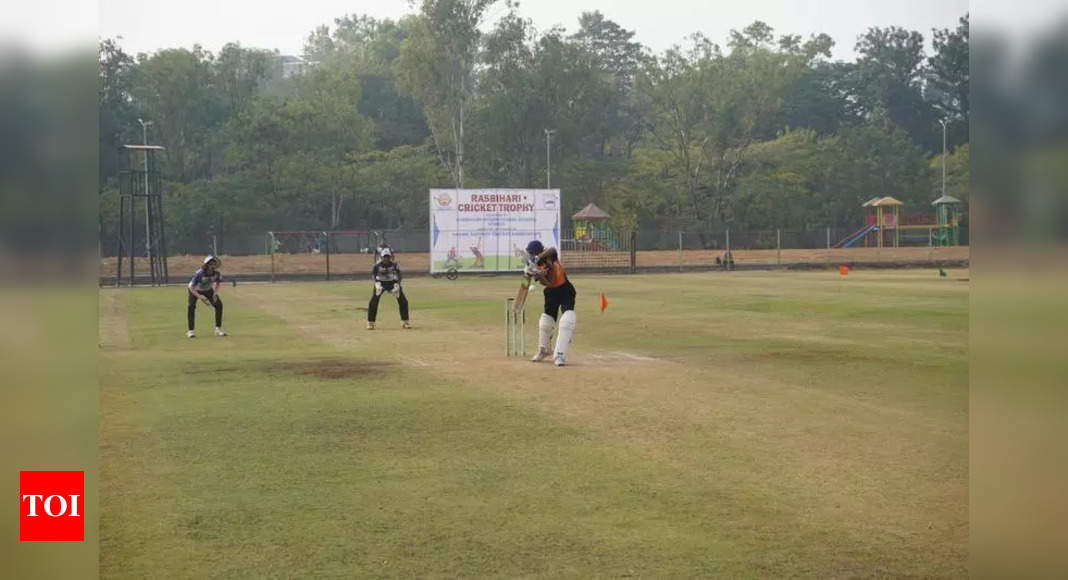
(957, 175)
(949, 79)
(765, 132)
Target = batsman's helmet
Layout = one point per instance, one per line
(534, 248)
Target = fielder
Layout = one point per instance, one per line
(545, 267)
(387, 278)
(204, 286)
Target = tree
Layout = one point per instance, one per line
(511, 114)
(392, 185)
(239, 72)
(678, 121)
(370, 47)
(958, 180)
(176, 90)
(436, 66)
(613, 59)
(781, 185)
(707, 108)
(887, 82)
(870, 160)
(326, 130)
(949, 79)
(117, 117)
(766, 132)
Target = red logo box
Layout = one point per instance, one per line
(52, 506)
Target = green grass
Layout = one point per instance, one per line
(735, 425)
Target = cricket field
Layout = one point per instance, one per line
(743, 424)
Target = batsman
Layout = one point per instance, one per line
(543, 266)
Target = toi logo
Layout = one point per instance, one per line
(52, 506)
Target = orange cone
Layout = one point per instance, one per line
(604, 302)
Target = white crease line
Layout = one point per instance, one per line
(633, 356)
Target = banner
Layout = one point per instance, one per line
(487, 230)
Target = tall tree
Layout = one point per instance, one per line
(436, 65)
(614, 58)
(239, 73)
(115, 85)
(370, 47)
(888, 79)
(707, 108)
(949, 79)
(175, 89)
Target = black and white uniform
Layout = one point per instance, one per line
(205, 284)
(387, 278)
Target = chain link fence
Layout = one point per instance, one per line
(350, 254)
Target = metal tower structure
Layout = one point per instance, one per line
(141, 236)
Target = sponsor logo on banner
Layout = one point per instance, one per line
(444, 199)
(549, 201)
(52, 506)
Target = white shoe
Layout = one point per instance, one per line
(543, 353)
(559, 360)
(406, 325)
(190, 334)
(220, 332)
(370, 326)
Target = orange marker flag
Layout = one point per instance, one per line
(843, 269)
(604, 302)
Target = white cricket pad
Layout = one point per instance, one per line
(567, 328)
(545, 330)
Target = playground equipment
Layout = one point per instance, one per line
(853, 238)
(886, 212)
(947, 218)
(593, 229)
(885, 227)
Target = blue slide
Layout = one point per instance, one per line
(856, 236)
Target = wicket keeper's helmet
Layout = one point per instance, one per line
(385, 252)
(534, 248)
(213, 260)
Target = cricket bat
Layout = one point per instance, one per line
(521, 296)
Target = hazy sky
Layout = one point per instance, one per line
(146, 26)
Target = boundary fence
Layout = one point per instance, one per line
(351, 254)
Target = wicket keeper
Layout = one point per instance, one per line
(387, 278)
(544, 266)
(204, 286)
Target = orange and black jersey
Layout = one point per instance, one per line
(555, 276)
(559, 292)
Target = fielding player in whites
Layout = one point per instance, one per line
(387, 277)
(204, 286)
(545, 267)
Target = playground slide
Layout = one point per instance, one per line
(855, 237)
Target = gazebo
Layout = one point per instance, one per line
(947, 216)
(592, 226)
